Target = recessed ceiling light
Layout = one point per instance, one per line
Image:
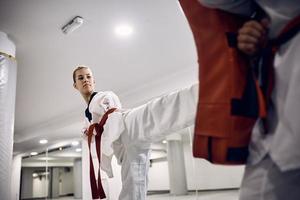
(78, 150)
(123, 30)
(43, 141)
(164, 141)
(33, 153)
(75, 143)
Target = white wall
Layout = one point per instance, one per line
(36, 187)
(159, 176)
(201, 174)
(77, 178)
(66, 178)
(32, 187)
(39, 187)
(54, 189)
(27, 184)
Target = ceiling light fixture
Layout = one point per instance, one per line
(75, 143)
(34, 153)
(78, 150)
(72, 25)
(43, 141)
(124, 30)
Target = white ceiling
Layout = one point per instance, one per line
(158, 57)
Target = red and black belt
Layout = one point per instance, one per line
(97, 188)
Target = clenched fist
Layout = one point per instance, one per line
(252, 36)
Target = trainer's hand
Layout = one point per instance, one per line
(252, 36)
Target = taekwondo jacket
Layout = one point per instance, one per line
(128, 133)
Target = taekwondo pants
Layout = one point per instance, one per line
(265, 181)
(148, 123)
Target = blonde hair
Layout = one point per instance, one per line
(79, 67)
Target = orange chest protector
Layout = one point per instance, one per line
(221, 136)
(230, 97)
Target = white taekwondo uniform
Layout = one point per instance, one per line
(128, 133)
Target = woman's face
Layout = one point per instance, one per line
(84, 81)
